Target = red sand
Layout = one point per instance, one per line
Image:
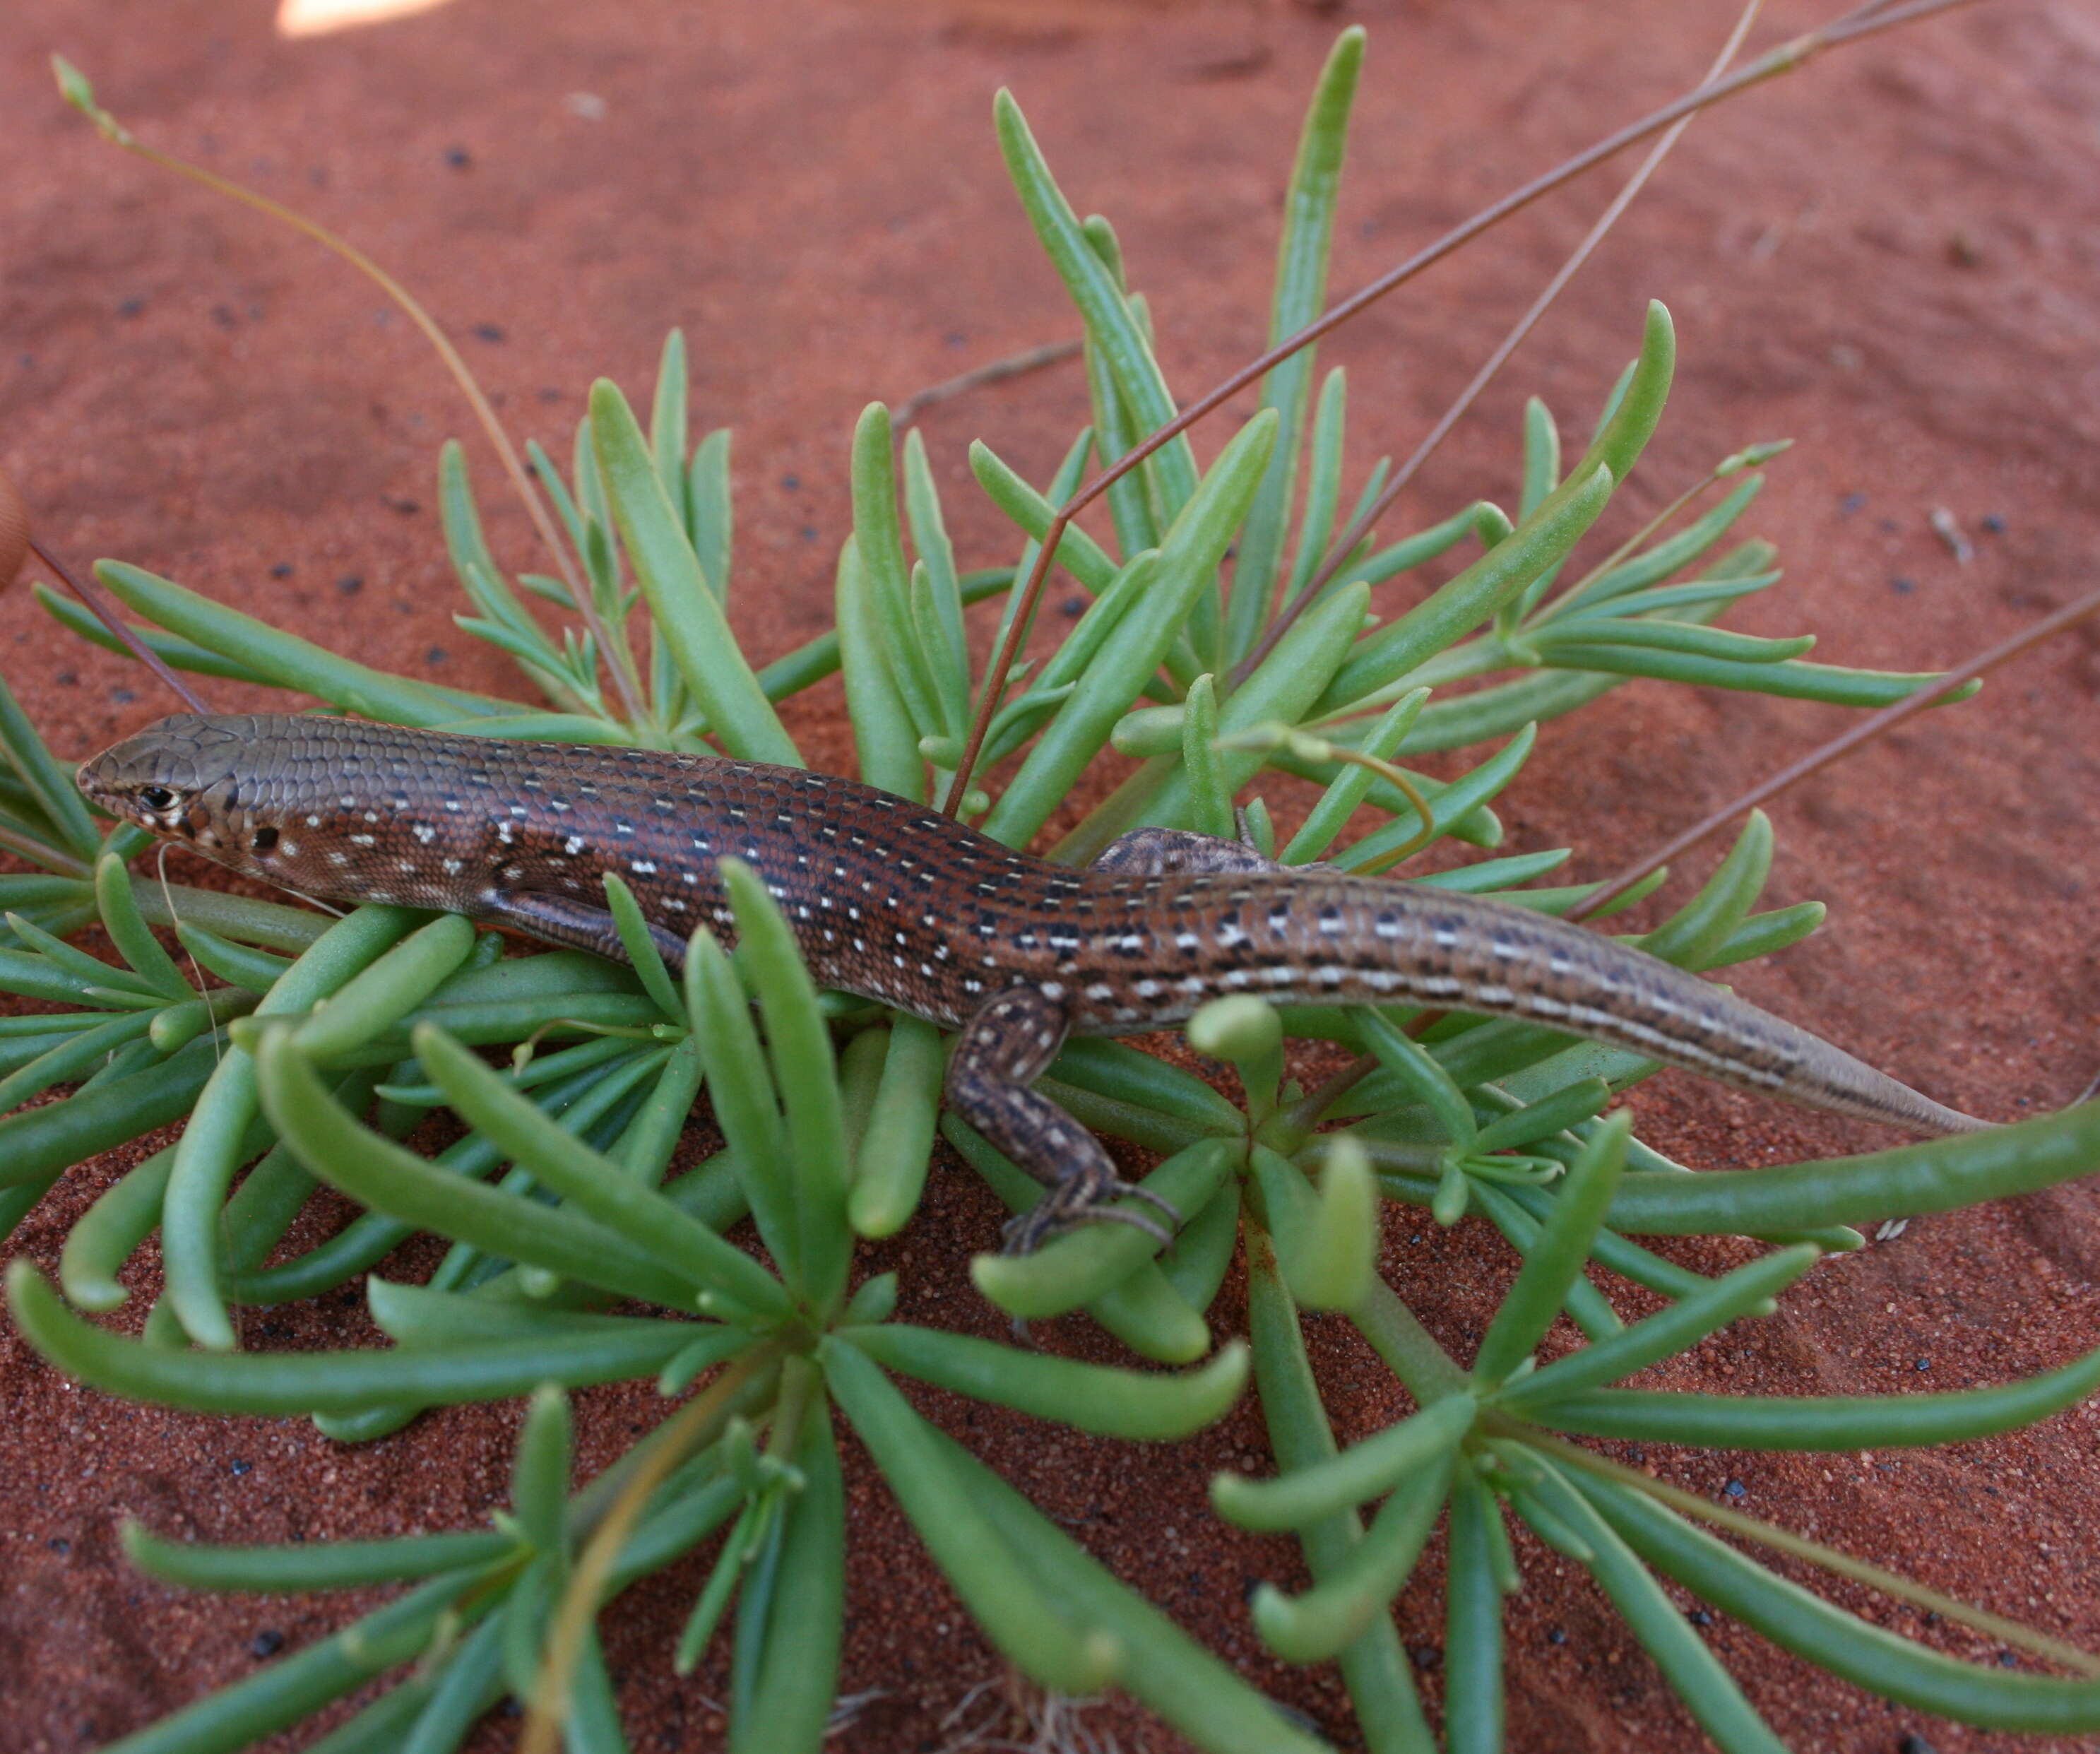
(1889, 257)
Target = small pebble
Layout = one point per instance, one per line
(122, 696)
(1425, 1657)
(1923, 1364)
(1902, 587)
(1851, 503)
(349, 584)
(59, 1543)
(792, 483)
(458, 158)
(488, 331)
(435, 655)
(130, 307)
(266, 1643)
(1994, 524)
(1735, 1489)
(69, 678)
(1911, 1743)
(2007, 1659)
(1700, 1617)
(237, 1467)
(808, 533)
(282, 570)
(1073, 607)
(1556, 1636)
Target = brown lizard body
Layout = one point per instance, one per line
(893, 902)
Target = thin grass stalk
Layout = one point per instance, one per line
(1892, 1584)
(77, 92)
(566, 1637)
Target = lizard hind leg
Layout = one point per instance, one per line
(1004, 1049)
(1184, 852)
(1181, 852)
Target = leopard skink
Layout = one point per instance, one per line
(896, 903)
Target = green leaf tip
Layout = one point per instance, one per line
(74, 88)
(1237, 1027)
(1750, 457)
(1624, 435)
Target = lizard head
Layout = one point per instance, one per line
(177, 777)
(318, 805)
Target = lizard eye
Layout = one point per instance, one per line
(156, 796)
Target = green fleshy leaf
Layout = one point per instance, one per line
(1907, 1181)
(347, 1381)
(1694, 1672)
(288, 661)
(1124, 1404)
(1814, 1422)
(799, 1046)
(1552, 1268)
(651, 1225)
(1030, 1625)
(1301, 287)
(306, 1565)
(1188, 557)
(1111, 326)
(1866, 1656)
(1747, 1291)
(687, 612)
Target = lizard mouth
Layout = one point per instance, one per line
(95, 778)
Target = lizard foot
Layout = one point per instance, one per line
(1084, 1199)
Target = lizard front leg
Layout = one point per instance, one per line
(567, 920)
(1004, 1049)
